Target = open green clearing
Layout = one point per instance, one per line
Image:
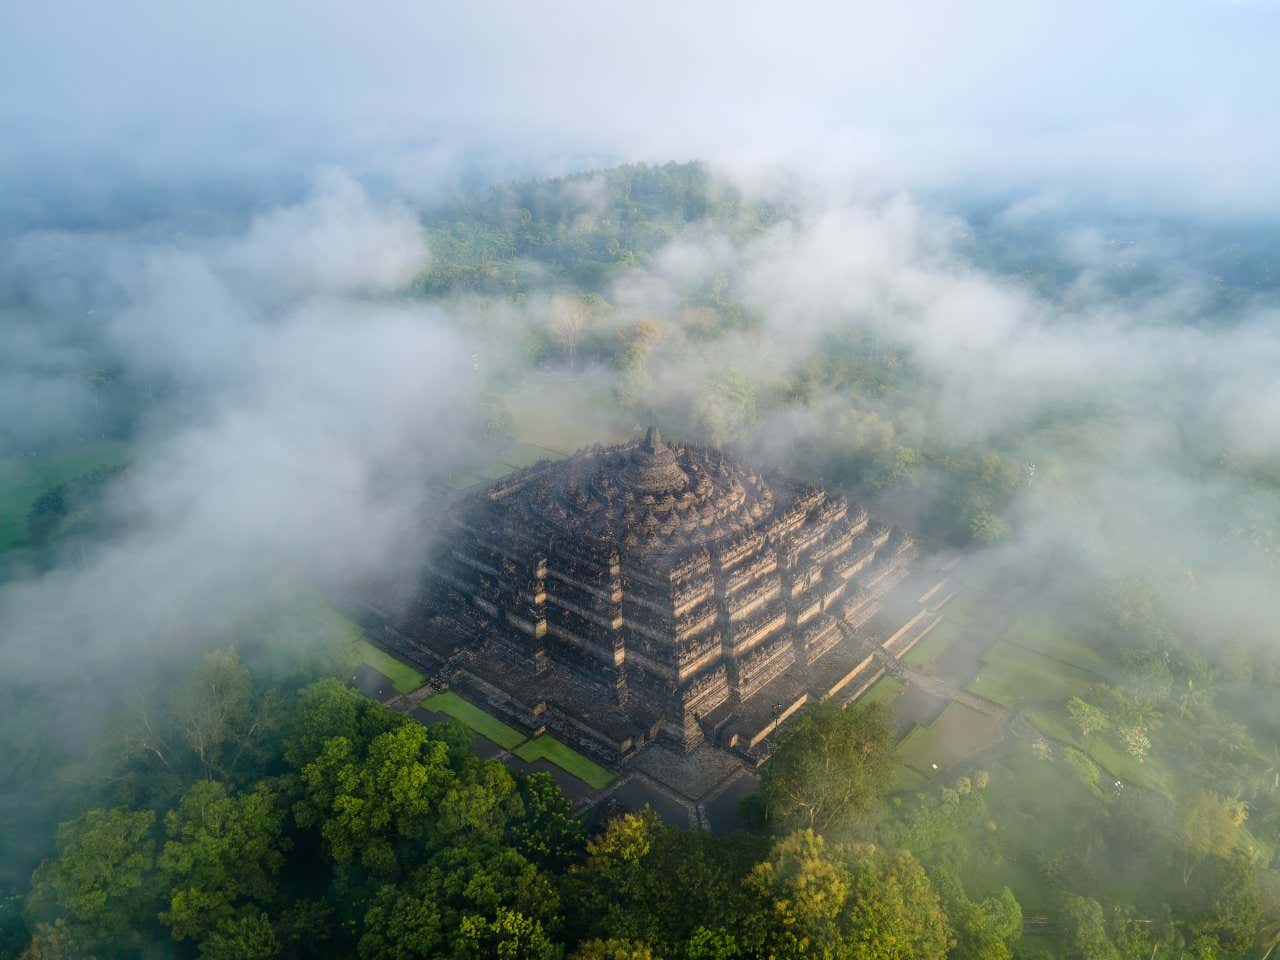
(931, 646)
(24, 479)
(1041, 635)
(1052, 721)
(1012, 674)
(475, 718)
(566, 758)
(885, 690)
(957, 734)
(402, 676)
(906, 780)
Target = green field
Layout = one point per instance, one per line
(906, 780)
(1041, 635)
(931, 646)
(475, 718)
(566, 758)
(1052, 721)
(404, 677)
(885, 690)
(1013, 674)
(957, 734)
(24, 479)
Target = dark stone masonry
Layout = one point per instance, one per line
(654, 591)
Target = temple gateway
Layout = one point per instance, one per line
(655, 590)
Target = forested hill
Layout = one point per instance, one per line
(577, 231)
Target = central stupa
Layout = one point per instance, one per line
(656, 589)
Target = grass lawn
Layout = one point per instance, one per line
(1053, 722)
(1043, 636)
(958, 733)
(1012, 674)
(923, 655)
(906, 780)
(1034, 805)
(566, 758)
(885, 690)
(403, 676)
(475, 718)
(24, 479)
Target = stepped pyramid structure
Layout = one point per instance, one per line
(655, 589)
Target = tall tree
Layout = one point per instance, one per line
(223, 852)
(365, 803)
(1209, 826)
(102, 881)
(845, 901)
(215, 708)
(830, 770)
(1085, 930)
(547, 832)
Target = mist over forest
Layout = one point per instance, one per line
(1022, 302)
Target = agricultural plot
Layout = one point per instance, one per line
(566, 758)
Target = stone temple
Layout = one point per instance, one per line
(654, 590)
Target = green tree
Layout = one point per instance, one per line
(247, 935)
(1224, 910)
(985, 929)
(222, 852)
(508, 936)
(988, 528)
(324, 710)
(215, 708)
(1209, 826)
(851, 901)
(328, 709)
(712, 944)
(53, 941)
(364, 804)
(1087, 718)
(402, 925)
(547, 833)
(480, 801)
(657, 885)
(102, 881)
(613, 950)
(830, 770)
(1085, 930)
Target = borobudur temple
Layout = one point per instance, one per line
(655, 590)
